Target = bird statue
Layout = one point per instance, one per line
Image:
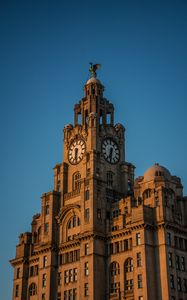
(93, 68)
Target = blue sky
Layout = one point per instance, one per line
(45, 48)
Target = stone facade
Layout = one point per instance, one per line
(101, 234)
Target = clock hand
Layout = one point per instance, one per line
(111, 152)
(76, 153)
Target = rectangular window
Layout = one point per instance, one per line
(99, 213)
(75, 274)
(31, 271)
(59, 278)
(86, 289)
(176, 241)
(138, 259)
(139, 281)
(86, 271)
(71, 275)
(179, 284)
(17, 291)
(172, 285)
(46, 228)
(109, 179)
(115, 287)
(180, 243)
(115, 213)
(58, 185)
(125, 245)
(116, 247)
(76, 255)
(71, 256)
(140, 298)
(87, 214)
(88, 172)
(43, 296)
(60, 259)
(18, 273)
(170, 260)
(47, 209)
(108, 118)
(87, 195)
(86, 249)
(129, 285)
(168, 238)
(59, 296)
(36, 270)
(70, 294)
(44, 261)
(177, 262)
(138, 239)
(185, 244)
(65, 295)
(66, 276)
(183, 268)
(185, 285)
(44, 280)
(74, 294)
(130, 244)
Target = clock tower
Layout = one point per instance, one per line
(94, 175)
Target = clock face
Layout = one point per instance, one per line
(76, 151)
(110, 151)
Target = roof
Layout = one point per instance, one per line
(93, 80)
(156, 170)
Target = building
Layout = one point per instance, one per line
(101, 235)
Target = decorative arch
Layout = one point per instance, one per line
(69, 220)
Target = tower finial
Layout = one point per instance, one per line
(93, 68)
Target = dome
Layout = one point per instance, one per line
(156, 170)
(93, 80)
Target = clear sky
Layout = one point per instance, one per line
(45, 49)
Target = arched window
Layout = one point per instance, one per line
(32, 289)
(129, 265)
(76, 181)
(114, 268)
(147, 194)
